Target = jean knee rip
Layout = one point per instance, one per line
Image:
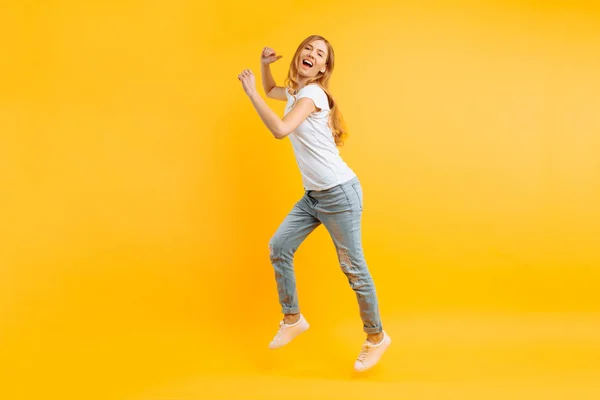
(345, 258)
(271, 251)
(354, 280)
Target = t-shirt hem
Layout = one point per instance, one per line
(335, 184)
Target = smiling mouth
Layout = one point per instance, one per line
(307, 64)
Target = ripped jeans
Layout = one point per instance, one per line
(340, 210)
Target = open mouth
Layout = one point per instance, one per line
(307, 64)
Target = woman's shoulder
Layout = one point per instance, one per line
(317, 93)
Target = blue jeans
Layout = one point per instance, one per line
(340, 210)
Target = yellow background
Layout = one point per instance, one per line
(139, 190)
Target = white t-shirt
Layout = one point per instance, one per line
(314, 147)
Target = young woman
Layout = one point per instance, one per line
(333, 193)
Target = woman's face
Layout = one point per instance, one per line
(313, 58)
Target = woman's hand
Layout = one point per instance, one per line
(268, 56)
(248, 82)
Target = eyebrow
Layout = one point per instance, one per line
(317, 49)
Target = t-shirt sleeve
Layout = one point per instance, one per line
(317, 94)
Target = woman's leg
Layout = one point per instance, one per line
(296, 226)
(340, 210)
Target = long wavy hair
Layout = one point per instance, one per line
(336, 121)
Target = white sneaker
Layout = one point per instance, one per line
(370, 353)
(286, 332)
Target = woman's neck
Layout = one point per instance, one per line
(302, 82)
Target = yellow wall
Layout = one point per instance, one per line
(139, 188)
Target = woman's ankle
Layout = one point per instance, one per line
(291, 318)
(375, 338)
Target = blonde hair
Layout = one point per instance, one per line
(336, 121)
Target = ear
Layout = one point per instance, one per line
(324, 69)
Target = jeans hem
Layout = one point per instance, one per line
(372, 331)
(290, 310)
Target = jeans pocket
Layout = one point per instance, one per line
(358, 190)
(334, 200)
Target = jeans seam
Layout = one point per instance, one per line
(280, 256)
(347, 198)
(357, 195)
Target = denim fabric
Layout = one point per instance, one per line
(340, 209)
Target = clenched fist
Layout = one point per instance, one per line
(248, 82)
(268, 56)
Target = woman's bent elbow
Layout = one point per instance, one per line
(280, 134)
